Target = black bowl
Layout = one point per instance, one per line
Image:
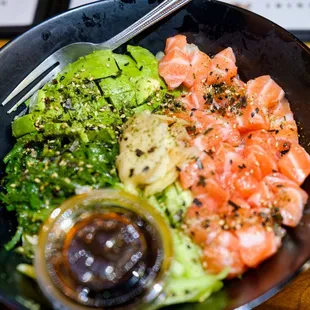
(261, 48)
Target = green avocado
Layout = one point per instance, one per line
(115, 85)
(124, 61)
(98, 65)
(23, 125)
(146, 88)
(133, 74)
(124, 100)
(37, 102)
(142, 56)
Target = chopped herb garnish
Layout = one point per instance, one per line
(199, 163)
(208, 130)
(197, 202)
(284, 152)
(139, 152)
(146, 168)
(202, 181)
(234, 205)
(191, 129)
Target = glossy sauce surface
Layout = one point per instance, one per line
(106, 259)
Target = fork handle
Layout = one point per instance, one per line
(162, 10)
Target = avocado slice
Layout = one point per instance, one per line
(124, 100)
(142, 56)
(98, 65)
(124, 61)
(23, 125)
(113, 86)
(145, 88)
(152, 72)
(40, 104)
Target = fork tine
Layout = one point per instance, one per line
(40, 69)
(40, 84)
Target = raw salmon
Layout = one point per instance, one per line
(187, 102)
(222, 67)
(262, 162)
(238, 83)
(224, 253)
(216, 129)
(228, 159)
(201, 167)
(288, 197)
(197, 95)
(262, 197)
(278, 180)
(212, 188)
(291, 202)
(202, 225)
(174, 68)
(264, 91)
(263, 139)
(295, 164)
(246, 180)
(199, 68)
(282, 123)
(253, 117)
(256, 244)
(177, 42)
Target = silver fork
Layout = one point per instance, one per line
(68, 54)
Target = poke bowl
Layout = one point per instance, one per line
(218, 69)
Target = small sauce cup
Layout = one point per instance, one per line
(103, 249)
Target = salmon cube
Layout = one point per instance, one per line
(295, 164)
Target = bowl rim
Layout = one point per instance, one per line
(14, 304)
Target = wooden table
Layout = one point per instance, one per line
(294, 296)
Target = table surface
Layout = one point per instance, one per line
(294, 296)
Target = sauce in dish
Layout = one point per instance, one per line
(99, 251)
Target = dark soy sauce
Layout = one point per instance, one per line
(107, 259)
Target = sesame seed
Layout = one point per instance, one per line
(221, 222)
